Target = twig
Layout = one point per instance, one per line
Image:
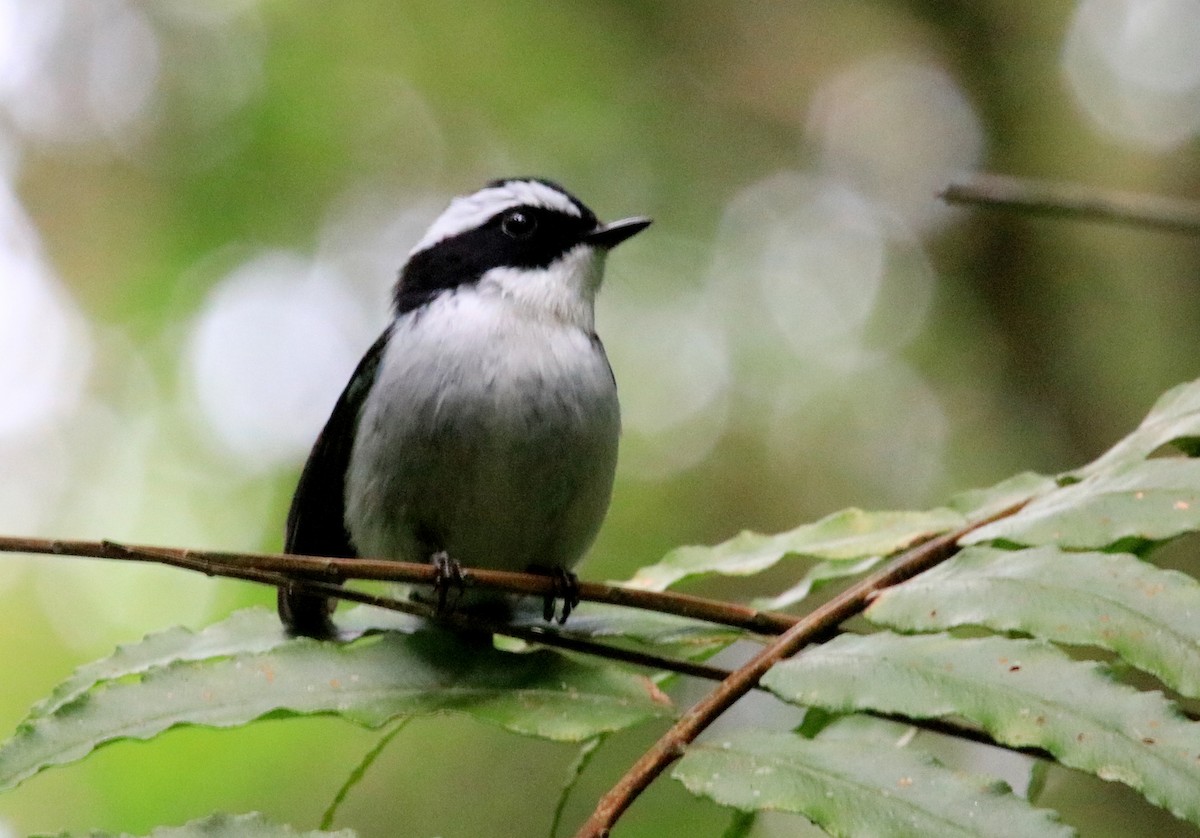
(811, 627)
(216, 563)
(547, 637)
(529, 634)
(1070, 200)
(563, 640)
(201, 562)
(238, 566)
(573, 643)
(544, 636)
(321, 575)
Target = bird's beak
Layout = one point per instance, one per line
(610, 235)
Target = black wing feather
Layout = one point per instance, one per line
(316, 521)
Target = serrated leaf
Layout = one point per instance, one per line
(974, 504)
(1023, 693)
(1149, 616)
(845, 535)
(1175, 416)
(249, 630)
(1148, 501)
(813, 578)
(599, 621)
(977, 504)
(857, 788)
(252, 825)
(369, 682)
(243, 632)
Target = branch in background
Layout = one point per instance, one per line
(1070, 200)
(329, 570)
(810, 628)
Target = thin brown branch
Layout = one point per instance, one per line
(216, 563)
(809, 628)
(259, 568)
(544, 637)
(573, 643)
(306, 572)
(1075, 201)
(202, 562)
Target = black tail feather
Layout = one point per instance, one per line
(306, 615)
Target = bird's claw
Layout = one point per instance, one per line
(448, 573)
(564, 586)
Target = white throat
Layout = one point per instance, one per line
(563, 292)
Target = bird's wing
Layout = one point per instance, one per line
(316, 521)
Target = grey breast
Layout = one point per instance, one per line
(495, 444)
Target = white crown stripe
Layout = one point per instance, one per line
(471, 211)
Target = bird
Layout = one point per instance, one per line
(481, 428)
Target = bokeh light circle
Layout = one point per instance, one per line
(1134, 68)
(269, 353)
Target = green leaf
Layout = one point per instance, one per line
(1023, 693)
(857, 788)
(252, 825)
(1174, 417)
(1148, 501)
(363, 619)
(598, 621)
(246, 631)
(1149, 616)
(574, 773)
(815, 577)
(740, 825)
(1039, 773)
(977, 504)
(369, 682)
(249, 630)
(359, 771)
(973, 504)
(849, 534)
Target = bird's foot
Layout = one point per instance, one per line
(448, 574)
(565, 586)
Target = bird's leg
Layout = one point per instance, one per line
(449, 573)
(565, 587)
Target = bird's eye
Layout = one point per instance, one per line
(518, 224)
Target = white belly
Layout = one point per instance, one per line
(497, 445)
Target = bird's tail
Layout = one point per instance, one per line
(306, 615)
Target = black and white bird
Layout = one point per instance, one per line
(480, 430)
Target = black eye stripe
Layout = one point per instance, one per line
(518, 223)
(536, 241)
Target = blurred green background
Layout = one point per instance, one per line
(203, 205)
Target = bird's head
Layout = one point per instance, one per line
(525, 239)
